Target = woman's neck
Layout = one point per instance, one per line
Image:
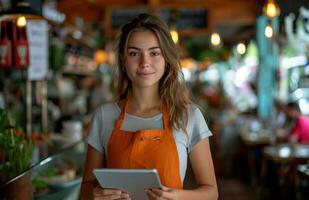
(144, 103)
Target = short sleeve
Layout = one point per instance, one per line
(95, 132)
(198, 128)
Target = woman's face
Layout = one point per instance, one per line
(144, 61)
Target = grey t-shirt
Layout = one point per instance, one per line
(104, 119)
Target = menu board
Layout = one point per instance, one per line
(186, 18)
(37, 34)
(121, 16)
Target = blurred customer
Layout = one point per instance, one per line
(298, 130)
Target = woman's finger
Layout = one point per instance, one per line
(151, 195)
(158, 192)
(122, 196)
(166, 189)
(165, 193)
(109, 194)
(105, 191)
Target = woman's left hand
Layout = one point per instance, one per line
(164, 193)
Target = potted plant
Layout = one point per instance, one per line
(15, 157)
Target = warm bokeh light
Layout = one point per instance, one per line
(174, 35)
(241, 48)
(271, 9)
(100, 56)
(215, 39)
(21, 21)
(187, 63)
(269, 31)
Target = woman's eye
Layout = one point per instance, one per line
(133, 53)
(155, 53)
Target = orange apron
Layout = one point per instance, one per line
(146, 149)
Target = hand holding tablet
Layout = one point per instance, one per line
(133, 181)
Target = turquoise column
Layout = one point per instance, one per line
(268, 64)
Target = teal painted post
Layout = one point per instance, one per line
(268, 63)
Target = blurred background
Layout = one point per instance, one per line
(246, 63)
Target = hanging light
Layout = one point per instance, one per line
(271, 9)
(241, 48)
(174, 35)
(269, 31)
(215, 39)
(21, 21)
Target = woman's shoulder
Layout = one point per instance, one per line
(109, 108)
(111, 105)
(195, 114)
(193, 109)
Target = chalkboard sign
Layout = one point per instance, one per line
(181, 18)
(185, 18)
(122, 16)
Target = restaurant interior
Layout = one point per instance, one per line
(245, 62)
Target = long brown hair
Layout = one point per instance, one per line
(172, 87)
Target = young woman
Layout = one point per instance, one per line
(153, 124)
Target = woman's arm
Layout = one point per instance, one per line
(94, 159)
(202, 166)
(203, 169)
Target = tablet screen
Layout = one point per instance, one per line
(133, 181)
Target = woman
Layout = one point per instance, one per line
(155, 115)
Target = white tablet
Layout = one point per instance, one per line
(133, 181)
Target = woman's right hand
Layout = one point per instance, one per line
(109, 194)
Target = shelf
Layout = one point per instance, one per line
(78, 72)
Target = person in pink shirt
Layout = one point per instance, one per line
(300, 128)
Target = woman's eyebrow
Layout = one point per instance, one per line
(151, 48)
(133, 48)
(154, 48)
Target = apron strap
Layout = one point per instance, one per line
(165, 116)
(121, 116)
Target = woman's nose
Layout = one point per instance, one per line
(144, 61)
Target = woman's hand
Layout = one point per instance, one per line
(164, 193)
(109, 194)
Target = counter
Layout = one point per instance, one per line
(57, 176)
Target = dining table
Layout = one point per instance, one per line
(254, 141)
(280, 168)
(303, 171)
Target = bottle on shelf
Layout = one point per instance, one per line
(20, 47)
(5, 47)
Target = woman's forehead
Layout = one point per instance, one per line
(143, 40)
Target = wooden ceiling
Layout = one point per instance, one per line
(221, 13)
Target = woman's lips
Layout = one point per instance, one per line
(144, 73)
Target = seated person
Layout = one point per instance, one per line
(299, 129)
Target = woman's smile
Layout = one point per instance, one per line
(145, 74)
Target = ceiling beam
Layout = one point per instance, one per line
(220, 12)
(66, 5)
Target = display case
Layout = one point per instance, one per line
(57, 176)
